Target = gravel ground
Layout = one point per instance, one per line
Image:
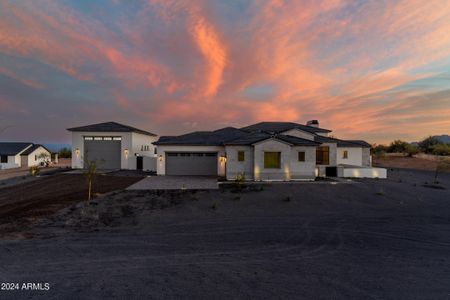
(370, 239)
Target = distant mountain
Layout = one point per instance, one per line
(57, 147)
(445, 138)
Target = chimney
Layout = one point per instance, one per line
(313, 123)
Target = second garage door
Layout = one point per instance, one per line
(193, 163)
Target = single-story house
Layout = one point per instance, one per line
(265, 151)
(22, 155)
(113, 146)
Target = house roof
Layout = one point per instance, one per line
(203, 138)
(278, 127)
(109, 127)
(255, 137)
(32, 148)
(342, 143)
(13, 148)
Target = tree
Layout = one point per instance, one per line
(398, 146)
(442, 165)
(65, 153)
(411, 150)
(379, 149)
(90, 172)
(441, 149)
(43, 157)
(427, 144)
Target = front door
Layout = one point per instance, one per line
(139, 163)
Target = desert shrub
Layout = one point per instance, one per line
(239, 181)
(442, 166)
(441, 149)
(65, 153)
(34, 171)
(411, 150)
(287, 199)
(380, 192)
(397, 146)
(379, 150)
(428, 144)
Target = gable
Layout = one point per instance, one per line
(300, 134)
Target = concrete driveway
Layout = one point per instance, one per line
(176, 183)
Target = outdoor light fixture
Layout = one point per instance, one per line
(126, 153)
(223, 158)
(160, 157)
(77, 152)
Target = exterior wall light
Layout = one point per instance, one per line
(77, 152)
(223, 159)
(160, 157)
(126, 152)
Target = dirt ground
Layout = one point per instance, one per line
(405, 163)
(24, 204)
(365, 239)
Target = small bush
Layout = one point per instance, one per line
(65, 153)
(34, 171)
(441, 149)
(398, 146)
(411, 150)
(380, 193)
(287, 199)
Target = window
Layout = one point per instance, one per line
(323, 155)
(98, 138)
(301, 156)
(88, 138)
(345, 154)
(107, 138)
(272, 160)
(117, 138)
(185, 154)
(171, 154)
(197, 154)
(35, 157)
(210, 154)
(4, 159)
(241, 155)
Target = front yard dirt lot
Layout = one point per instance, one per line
(24, 204)
(365, 239)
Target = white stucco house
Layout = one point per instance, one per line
(113, 146)
(265, 151)
(22, 155)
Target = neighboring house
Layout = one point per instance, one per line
(113, 146)
(22, 155)
(265, 151)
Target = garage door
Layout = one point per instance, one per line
(193, 163)
(105, 153)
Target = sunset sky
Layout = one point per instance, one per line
(374, 70)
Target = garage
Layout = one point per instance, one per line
(106, 152)
(191, 163)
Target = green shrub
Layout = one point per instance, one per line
(65, 153)
(34, 171)
(397, 146)
(379, 150)
(239, 181)
(428, 144)
(441, 149)
(411, 150)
